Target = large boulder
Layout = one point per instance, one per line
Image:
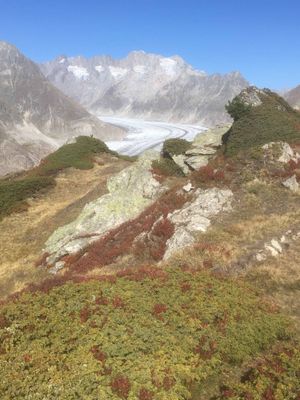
(130, 192)
(195, 217)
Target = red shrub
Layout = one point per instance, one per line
(163, 228)
(85, 314)
(206, 348)
(145, 394)
(98, 354)
(168, 382)
(42, 260)
(121, 386)
(158, 310)
(227, 392)
(269, 394)
(101, 300)
(4, 323)
(118, 302)
(27, 358)
(207, 174)
(185, 286)
(208, 264)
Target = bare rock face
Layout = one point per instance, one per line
(35, 117)
(195, 217)
(130, 192)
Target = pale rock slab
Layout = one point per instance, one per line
(291, 183)
(195, 217)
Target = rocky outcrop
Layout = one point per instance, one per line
(280, 152)
(203, 148)
(130, 192)
(195, 217)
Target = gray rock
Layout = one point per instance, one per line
(194, 217)
(291, 183)
(178, 241)
(188, 187)
(130, 192)
(280, 152)
(196, 162)
(197, 150)
(212, 137)
(180, 161)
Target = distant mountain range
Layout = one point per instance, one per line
(42, 107)
(35, 117)
(147, 86)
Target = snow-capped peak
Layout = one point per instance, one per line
(168, 65)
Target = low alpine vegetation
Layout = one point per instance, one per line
(146, 334)
(80, 155)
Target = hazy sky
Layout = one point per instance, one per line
(260, 38)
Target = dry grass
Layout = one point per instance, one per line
(22, 235)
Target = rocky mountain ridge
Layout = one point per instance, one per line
(35, 117)
(147, 86)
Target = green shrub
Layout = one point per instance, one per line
(77, 155)
(173, 147)
(273, 120)
(149, 331)
(13, 193)
(237, 108)
(166, 167)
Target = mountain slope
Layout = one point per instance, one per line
(146, 86)
(293, 97)
(35, 117)
(260, 116)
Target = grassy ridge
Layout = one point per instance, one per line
(272, 121)
(80, 155)
(149, 334)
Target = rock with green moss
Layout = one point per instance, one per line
(130, 192)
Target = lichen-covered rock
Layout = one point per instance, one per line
(180, 161)
(196, 162)
(211, 137)
(130, 192)
(195, 217)
(197, 150)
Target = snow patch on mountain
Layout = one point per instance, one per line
(78, 72)
(169, 65)
(118, 72)
(99, 68)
